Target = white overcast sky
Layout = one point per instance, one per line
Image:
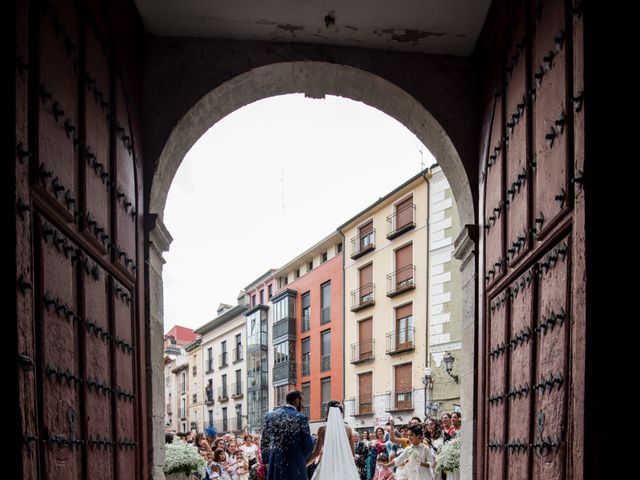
(267, 182)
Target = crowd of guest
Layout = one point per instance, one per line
(228, 457)
(405, 452)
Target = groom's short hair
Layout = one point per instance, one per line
(293, 395)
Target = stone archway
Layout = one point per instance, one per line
(314, 79)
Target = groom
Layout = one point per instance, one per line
(286, 442)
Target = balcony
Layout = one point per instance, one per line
(208, 392)
(223, 360)
(284, 329)
(363, 405)
(306, 364)
(257, 341)
(236, 390)
(400, 341)
(363, 297)
(325, 363)
(400, 401)
(401, 221)
(401, 281)
(209, 365)
(238, 354)
(284, 373)
(363, 244)
(256, 380)
(223, 394)
(362, 352)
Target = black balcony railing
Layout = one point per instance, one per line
(256, 380)
(285, 328)
(238, 354)
(209, 364)
(401, 280)
(257, 341)
(325, 363)
(364, 405)
(285, 371)
(236, 390)
(402, 220)
(224, 360)
(363, 297)
(306, 364)
(363, 351)
(363, 244)
(401, 340)
(223, 393)
(325, 314)
(400, 401)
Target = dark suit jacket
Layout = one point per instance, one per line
(286, 444)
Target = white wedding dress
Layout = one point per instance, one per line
(337, 461)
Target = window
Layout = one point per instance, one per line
(281, 353)
(404, 326)
(306, 356)
(306, 311)
(296, 274)
(270, 291)
(253, 300)
(208, 390)
(224, 386)
(310, 266)
(223, 355)
(325, 298)
(326, 395)
(262, 297)
(195, 366)
(183, 382)
(364, 403)
(325, 255)
(209, 359)
(195, 392)
(238, 348)
(339, 248)
(325, 352)
(238, 389)
(225, 420)
(366, 235)
(306, 393)
(183, 407)
(210, 412)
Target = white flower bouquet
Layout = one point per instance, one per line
(448, 460)
(184, 458)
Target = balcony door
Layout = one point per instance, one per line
(365, 335)
(403, 387)
(404, 326)
(366, 284)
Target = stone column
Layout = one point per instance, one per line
(159, 241)
(466, 251)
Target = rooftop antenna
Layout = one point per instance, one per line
(421, 150)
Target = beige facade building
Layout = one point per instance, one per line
(389, 289)
(176, 363)
(194, 384)
(223, 369)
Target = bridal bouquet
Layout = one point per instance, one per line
(184, 458)
(448, 460)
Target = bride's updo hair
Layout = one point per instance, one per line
(334, 403)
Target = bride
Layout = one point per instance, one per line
(336, 446)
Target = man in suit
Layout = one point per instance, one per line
(286, 441)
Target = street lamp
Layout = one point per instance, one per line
(448, 362)
(427, 381)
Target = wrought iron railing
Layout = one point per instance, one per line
(363, 243)
(401, 220)
(401, 280)
(363, 351)
(363, 297)
(400, 340)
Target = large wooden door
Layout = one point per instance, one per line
(79, 312)
(533, 241)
